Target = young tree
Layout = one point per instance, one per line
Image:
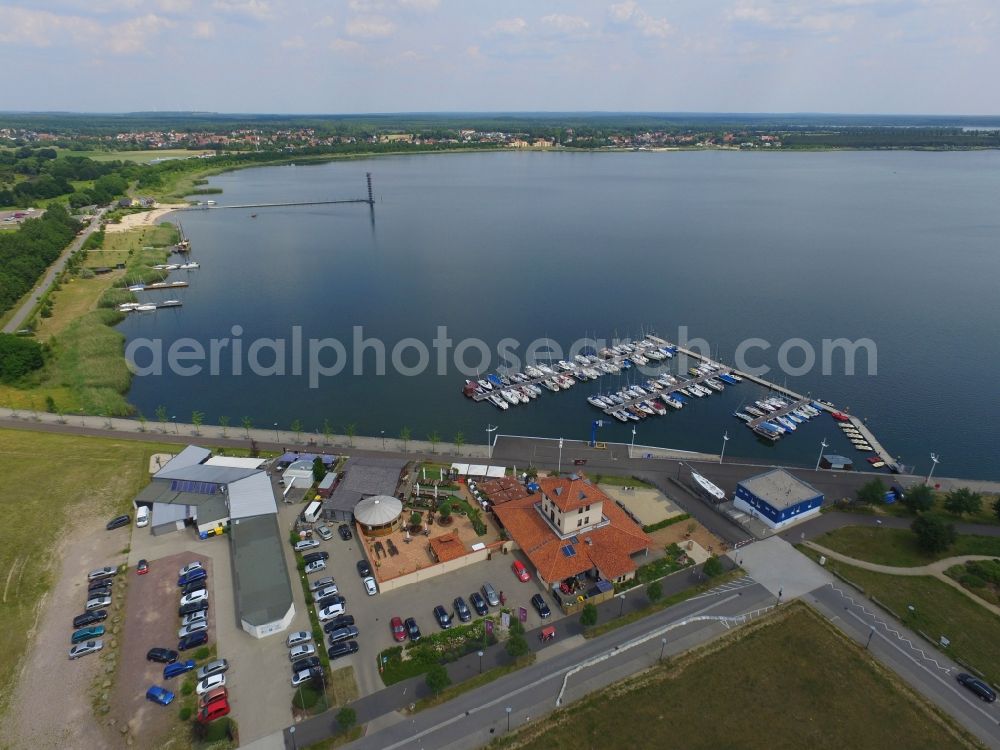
(319, 469)
(444, 510)
(918, 499)
(404, 435)
(224, 424)
(712, 567)
(415, 519)
(161, 417)
(654, 591)
(347, 717)
(588, 616)
(247, 425)
(142, 422)
(434, 438)
(327, 431)
(197, 419)
(297, 429)
(934, 534)
(459, 442)
(872, 493)
(963, 500)
(437, 679)
(517, 645)
(351, 430)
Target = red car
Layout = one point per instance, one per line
(520, 571)
(213, 711)
(142, 568)
(398, 631)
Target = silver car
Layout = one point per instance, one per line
(88, 647)
(218, 666)
(315, 567)
(106, 572)
(301, 636)
(322, 582)
(324, 533)
(97, 603)
(194, 617)
(300, 651)
(324, 592)
(304, 544)
(194, 627)
(491, 595)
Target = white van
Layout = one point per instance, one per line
(142, 516)
(311, 513)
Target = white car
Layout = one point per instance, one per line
(322, 582)
(370, 586)
(301, 651)
(325, 591)
(330, 612)
(210, 683)
(97, 603)
(189, 567)
(315, 566)
(106, 572)
(194, 617)
(142, 516)
(301, 636)
(194, 627)
(82, 649)
(201, 595)
(304, 544)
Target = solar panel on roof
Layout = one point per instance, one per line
(198, 488)
(574, 539)
(569, 551)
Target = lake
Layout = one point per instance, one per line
(897, 247)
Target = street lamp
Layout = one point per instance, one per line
(276, 438)
(631, 445)
(559, 467)
(871, 632)
(509, 709)
(663, 646)
(621, 604)
(291, 733)
(383, 439)
(480, 662)
(725, 439)
(174, 420)
(822, 447)
(935, 460)
(490, 429)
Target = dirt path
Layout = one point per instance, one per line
(47, 678)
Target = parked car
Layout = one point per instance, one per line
(491, 595)
(97, 602)
(323, 582)
(142, 516)
(162, 655)
(187, 609)
(118, 521)
(315, 567)
(87, 647)
(89, 618)
(371, 588)
(201, 585)
(213, 711)
(216, 666)
(364, 569)
(305, 675)
(213, 696)
(86, 634)
(345, 532)
(106, 572)
(331, 601)
(194, 627)
(398, 631)
(191, 641)
(189, 567)
(142, 567)
(201, 595)
(314, 556)
(520, 571)
(979, 688)
(328, 613)
(303, 649)
(479, 604)
(198, 574)
(329, 590)
(324, 533)
(462, 611)
(159, 695)
(210, 683)
(98, 591)
(442, 616)
(343, 634)
(344, 648)
(104, 584)
(300, 636)
(306, 663)
(303, 544)
(177, 668)
(193, 617)
(338, 622)
(412, 630)
(539, 604)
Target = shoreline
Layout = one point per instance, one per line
(143, 219)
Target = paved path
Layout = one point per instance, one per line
(935, 569)
(18, 318)
(833, 520)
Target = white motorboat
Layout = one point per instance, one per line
(497, 401)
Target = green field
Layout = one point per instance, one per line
(141, 157)
(50, 483)
(898, 547)
(938, 610)
(790, 681)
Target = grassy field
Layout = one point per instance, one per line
(898, 547)
(985, 514)
(141, 157)
(938, 610)
(981, 577)
(802, 685)
(50, 481)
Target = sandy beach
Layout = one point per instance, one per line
(144, 219)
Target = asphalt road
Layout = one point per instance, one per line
(14, 324)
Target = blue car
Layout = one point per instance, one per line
(85, 634)
(159, 695)
(192, 639)
(177, 668)
(198, 574)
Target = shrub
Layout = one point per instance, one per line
(347, 718)
(219, 730)
(187, 688)
(201, 653)
(933, 534)
(650, 528)
(185, 713)
(588, 615)
(712, 567)
(305, 698)
(437, 678)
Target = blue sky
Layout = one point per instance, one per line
(865, 56)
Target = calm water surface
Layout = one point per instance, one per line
(901, 248)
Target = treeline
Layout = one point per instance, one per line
(18, 357)
(908, 138)
(30, 175)
(26, 253)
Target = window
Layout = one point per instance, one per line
(587, 520)
(580, 511)
(588, 508)
(579, 523)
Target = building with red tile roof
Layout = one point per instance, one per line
(447, 547)
(502, 490)
(570, 528)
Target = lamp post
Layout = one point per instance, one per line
(725, 439)
(871, 632)
(383, 439)
(508, 709)
(480, 662)
(276, 438)
(663, 646)
(291, 733)
(174, 420)
(935, 460)
(621, 604)
(631, 446)
(822, 447)
(559, 467)
(490, 429)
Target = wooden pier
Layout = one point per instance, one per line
(204, 207)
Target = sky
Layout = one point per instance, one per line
(357, 56)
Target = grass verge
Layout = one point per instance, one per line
(617, 481)
(981, 577)
(453, 691)
(354, 733)
(938, 610)
(810, 687)
(898, 547)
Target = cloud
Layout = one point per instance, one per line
(38, 28)
(346, 46)
(510, 26)
(629, 13)
(293, 42)
(381, 6)
(325, 22)
(564, 24)
(133, 36)
(203, 30)
(370, 27)
(783, 16)
(473, 51)
(258, 9)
